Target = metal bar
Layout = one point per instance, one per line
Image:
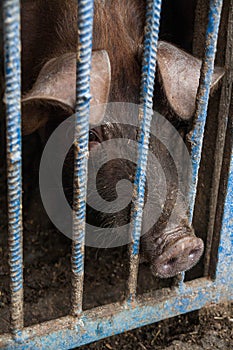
(145, 115)
(85, 25)
(224, 107)
(224, 275)
(12, 48)
(69, 332)
(196, 136)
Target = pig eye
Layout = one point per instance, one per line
(93, 137)
(94, 140)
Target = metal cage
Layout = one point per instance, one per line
(82, 327)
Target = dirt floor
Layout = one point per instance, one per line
(209, 329)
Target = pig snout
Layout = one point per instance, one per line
(179, 256)
(173, 252)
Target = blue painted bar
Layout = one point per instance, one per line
(12, 46)
(224, 273)
(145, 115)
(223, 116)
(196, 138)
(146, 102)
(102, 322)
(85, 26)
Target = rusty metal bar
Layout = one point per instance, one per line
(223, 113)
(69, 332)
(145, 115)
(196, 136)
(224, 275)
(85, 25)
(12, 48)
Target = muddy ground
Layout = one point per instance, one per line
(209, 329)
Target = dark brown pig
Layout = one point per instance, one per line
(49, 37)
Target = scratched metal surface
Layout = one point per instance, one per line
(145, 116)
(223, 113)
(82, 110)
(196, 136)
(69, 332)
(224, 276)
(14, 178)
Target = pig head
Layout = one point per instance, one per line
(115, 76)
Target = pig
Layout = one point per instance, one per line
(49, 44)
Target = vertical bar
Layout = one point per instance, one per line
(224, 274)
(145, 115)
(85, 25)
(196, 136)
(224, 107)
(12, 48)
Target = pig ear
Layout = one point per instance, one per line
(179, 73)
(55, 87)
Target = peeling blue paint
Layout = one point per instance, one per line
(69, 332)
(224, 274)
(12, 48)
(82, 111)
(146, 109)
(196, 138)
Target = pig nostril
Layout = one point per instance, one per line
(193, 253)
(171, 261)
